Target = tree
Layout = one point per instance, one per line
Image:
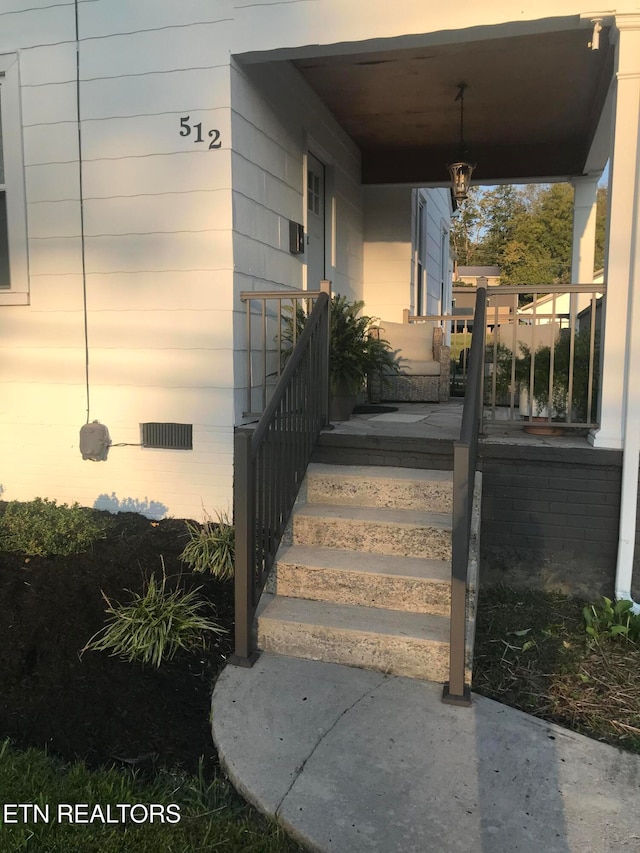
(601, 227)
(466, 228)
(526, 231)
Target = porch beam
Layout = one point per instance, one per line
(622, 269)
(422, 165)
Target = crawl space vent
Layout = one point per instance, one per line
(167, 436)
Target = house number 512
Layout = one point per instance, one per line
(186, 128)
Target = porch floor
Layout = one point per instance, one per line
(443, 421)
(355, 761)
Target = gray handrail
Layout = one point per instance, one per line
(269, 465)
(465, 453)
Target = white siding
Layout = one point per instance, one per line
(173, 231)
(158, 255)
(391, 245)
(276, 119)
(438, 225)
(388, 252)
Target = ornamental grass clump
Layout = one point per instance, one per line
(211, 547)
(155, 624)
(43, 528)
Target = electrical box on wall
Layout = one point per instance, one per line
(94, 442)
(296, 238)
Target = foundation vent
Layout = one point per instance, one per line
(167, 436)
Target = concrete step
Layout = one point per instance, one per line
(414, 584)
(370, 485)
(409, 644)
(376, 530)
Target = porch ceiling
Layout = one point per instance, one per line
(531, 109)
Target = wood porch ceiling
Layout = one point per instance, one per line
(531, 109)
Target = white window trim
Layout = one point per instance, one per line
(18, 293)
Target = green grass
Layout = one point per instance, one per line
(533, 652)
(213, 817)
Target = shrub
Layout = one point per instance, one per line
(155, 624)
(211, 547)
(43, 528)
(607, 620)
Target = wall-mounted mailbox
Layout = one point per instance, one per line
(296, 238)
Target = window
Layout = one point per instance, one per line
(14, 279)
(313, 192)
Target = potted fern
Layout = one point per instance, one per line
(356, 352)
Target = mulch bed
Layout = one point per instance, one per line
(97, 708)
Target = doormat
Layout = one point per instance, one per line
(374, 410)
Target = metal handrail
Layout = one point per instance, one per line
(269, 465)
(567, 341)
(465, 454)
(271, 339)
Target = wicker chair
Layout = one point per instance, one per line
(424, 364)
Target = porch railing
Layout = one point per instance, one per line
(465, 453)
(273, 321)
(269, 465)
(542, 354)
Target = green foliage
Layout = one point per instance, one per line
(527, 231)
(154, 625)
(213, 816)
(211, 547)
(357, 350)
(542, 369)
(43, 528)
(606, 620)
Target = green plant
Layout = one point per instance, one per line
(606, 620)
(542, 370)
(43, 528)
(356, 349)
(211, 546)
(155, 624)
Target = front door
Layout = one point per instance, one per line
(315, 222)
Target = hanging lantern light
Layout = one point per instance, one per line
(462, 169)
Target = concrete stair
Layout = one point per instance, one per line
(363, 578)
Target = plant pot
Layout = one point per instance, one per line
(342, 401)
(539, 409)
(539, 413)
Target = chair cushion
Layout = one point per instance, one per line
(411, 342)
(420, 368)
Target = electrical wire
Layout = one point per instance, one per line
(82, 241)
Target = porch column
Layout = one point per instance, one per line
(622, 256)
(585, 194)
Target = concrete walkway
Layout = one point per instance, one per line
(351, 760)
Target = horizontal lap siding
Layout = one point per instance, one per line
(388, 261)
(158, 256)
(276, 118)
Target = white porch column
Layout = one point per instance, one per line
(585, 196)
(622, 258)
(583, 253)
